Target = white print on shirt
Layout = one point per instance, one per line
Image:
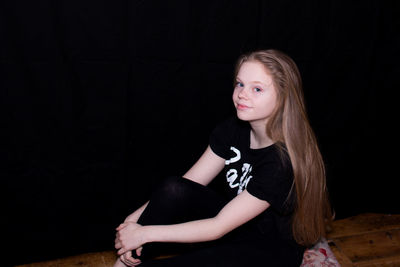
(232, 174)
(235, 158)
(244, 180)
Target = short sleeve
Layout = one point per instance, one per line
(272, 182)
(221, 137)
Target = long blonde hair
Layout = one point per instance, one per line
(289, 126)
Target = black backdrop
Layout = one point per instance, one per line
(102, 99)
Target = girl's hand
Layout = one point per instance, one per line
(129, 236)
(128, 260)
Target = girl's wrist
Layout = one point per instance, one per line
(147, 234)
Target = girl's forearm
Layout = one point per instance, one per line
(189, 232)
(238, 211)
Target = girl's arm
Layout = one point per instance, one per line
(203, 171)
(238, 211)
(206, 168)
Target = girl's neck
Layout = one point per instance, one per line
(259, 137)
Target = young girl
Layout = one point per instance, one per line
(275, 202)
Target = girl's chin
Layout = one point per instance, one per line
(243, 117)
(251, 119)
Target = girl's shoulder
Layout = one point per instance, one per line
(232, 124)
(229, 132)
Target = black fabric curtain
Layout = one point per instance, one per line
(102, 99)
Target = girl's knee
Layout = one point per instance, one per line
(172, 187)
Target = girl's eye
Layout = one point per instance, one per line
(239, 84)
(256, 89)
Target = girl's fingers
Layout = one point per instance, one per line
(139, 251)
(122, 225)
(129, 260)
(125, 261)
(133, 260)
(117, 243)
(121, 251)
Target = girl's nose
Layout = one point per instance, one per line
(242, 93)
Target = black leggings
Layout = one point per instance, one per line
(179, 200)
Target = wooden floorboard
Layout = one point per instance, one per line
(367, 240)
(97, 259)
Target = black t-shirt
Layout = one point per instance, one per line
(265, 173)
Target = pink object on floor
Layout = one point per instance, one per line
(320, 255)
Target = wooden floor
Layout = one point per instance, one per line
(364, 240)
(98, 259)
(367, 240)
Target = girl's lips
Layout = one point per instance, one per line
(241, 106)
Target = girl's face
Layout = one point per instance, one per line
(254, 95)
